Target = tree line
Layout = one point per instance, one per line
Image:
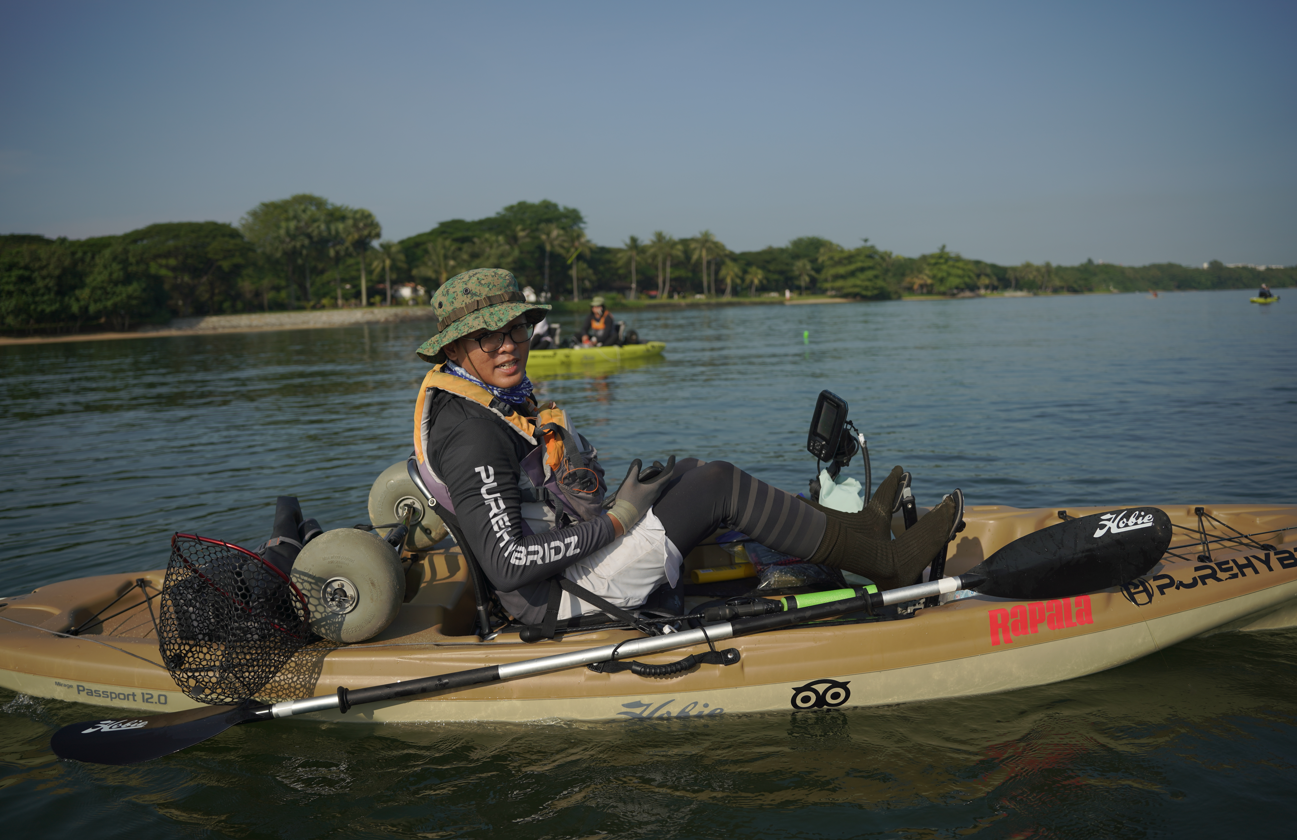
(306, 252)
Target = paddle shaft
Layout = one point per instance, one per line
(621, 650)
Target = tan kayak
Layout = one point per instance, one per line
(972, 645)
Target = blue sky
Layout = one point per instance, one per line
(1125, 132)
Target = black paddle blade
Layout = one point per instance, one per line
(1078, 556)
(132, 740)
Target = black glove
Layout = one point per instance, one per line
(639, 490)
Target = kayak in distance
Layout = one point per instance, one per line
(575, 356)
(1268, 300)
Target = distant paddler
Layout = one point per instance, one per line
(599, 328)
(1265, 292)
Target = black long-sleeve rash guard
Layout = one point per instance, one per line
(478, 457)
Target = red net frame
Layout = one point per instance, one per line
(229, 621)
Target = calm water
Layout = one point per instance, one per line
(108, 447)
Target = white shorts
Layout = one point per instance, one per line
(625, 570)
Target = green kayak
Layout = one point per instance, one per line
(578, 356)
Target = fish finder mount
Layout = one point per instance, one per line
(829, 440)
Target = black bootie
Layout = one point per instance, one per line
(875, 520)
(888, 563)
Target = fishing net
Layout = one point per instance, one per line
(229, 621)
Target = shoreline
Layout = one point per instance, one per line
(247, 322)
(316, 319)
(328, 318)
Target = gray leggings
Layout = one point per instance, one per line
(718, 494)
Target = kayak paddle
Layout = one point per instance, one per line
(1071, 558)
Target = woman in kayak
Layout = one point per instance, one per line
(599, 329)
(525, 491)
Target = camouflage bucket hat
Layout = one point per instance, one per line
(480, 299)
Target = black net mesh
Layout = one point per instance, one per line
(229, 621)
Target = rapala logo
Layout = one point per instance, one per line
(1023, 619)
(115, 726)
(1116, 523)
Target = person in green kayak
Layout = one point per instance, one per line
(599, 329)
(525, 493)
(1265, 292)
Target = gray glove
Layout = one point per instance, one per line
(639, 490)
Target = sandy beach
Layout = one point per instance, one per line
(250, 322)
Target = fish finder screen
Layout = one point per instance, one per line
(826, 426)
(828, 419)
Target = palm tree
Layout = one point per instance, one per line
(334, 240)
(674, 249)
(802, 271)
(664, 248)
(517, 239)
(700, 247)
(359, 230)
(583, 272)
(756, 277)
(918, 283)
(278, 245)
(388, 254)
(655, 249)
(300, 235)
(439, 260)
(730, 272)
(551, 236)
(580, 245)
(493, 250)
(718, 252)
(629, 256)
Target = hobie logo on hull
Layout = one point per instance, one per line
(1024, 619)
(1117, 523)
(115, 726)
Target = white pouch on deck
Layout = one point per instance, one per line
(845, 495)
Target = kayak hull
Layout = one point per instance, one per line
(578, 356)
(971, 646)
(1264, 301)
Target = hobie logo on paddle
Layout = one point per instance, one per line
(115, 726)
(1024, 619)
(1117, 523)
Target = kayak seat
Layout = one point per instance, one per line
(490, 617)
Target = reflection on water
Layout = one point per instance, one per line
(108, 447)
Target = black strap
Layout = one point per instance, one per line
(473, 305)
(548, 627)
(481, 586)
(728, 656)
(549, 624)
